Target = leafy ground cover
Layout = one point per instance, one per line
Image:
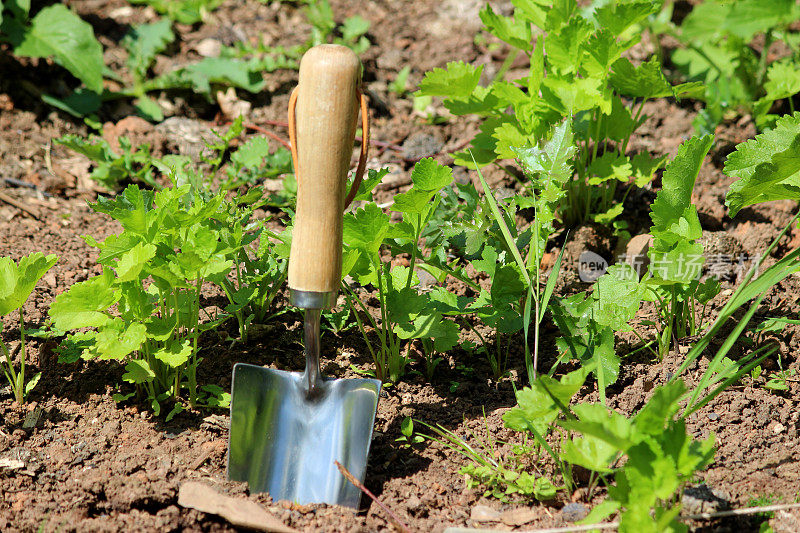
(519, 390)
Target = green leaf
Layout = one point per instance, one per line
(175, 354)
(617, 294)
(252, 153)
(675, 196)
(129, 208)
(535, 404)
(564, 48)
(144, 41)
(78, 104)
(534, 11)
(131, 262)
(32, 383)
(783, 80)
(183, 11)
(59, 33)
(17, 281)
(83, 305)
(116, 340)
(647, 81)
(148, 109)
(600, 51)
(515, 32)
(458, 80)
(428, 177)
(768, 167)
(138, 371)
(366, 228)
(619, 16)
(748, 17)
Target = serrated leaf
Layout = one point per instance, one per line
(768, 167)
(131, 262)
(564, 48)
(617, 294)
(619, 16)
(610, 166)
(600, 51)
(457, 80)
(647, 80)
(678, 182)
(144, 41)
(175, 354)
(515, 32)
(83, 305)
(366, 228)
(252, 153)
(783, 80)
(535, 405)
(748, 17)
(534, 11)
(58, 32)
(17, 280)
(116, 340)
(129, 208)
(427, 177)
(138, 371)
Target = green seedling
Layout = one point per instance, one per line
(17, 281)
(717, 49)
(502, 477)
(182, 11)
(56, 32)
(400, 84)
(578, 74)
(409, 437)
(406, 312)
(173, 242)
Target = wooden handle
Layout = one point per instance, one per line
(326, 114)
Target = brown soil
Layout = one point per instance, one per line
(93, 465)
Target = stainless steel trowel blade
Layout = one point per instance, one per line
(285, 444)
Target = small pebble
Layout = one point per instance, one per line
(484, 513)
(713, 416)
(572, 512)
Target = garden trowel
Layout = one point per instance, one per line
(288, 428)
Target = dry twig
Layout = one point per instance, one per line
(351, 478)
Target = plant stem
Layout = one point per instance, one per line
(20, 390)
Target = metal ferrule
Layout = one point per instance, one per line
(311, 299)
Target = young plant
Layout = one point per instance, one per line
(111, 169)
(17, 281)
(658, 455)
(717, 49)
(55, 32)
(352, 31)
(144, 309)
(182, 11)
(405, 312)
(676, 258)
(577, 73)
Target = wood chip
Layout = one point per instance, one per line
(238, 511)
(11, 464)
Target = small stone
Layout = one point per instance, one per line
(413, 503)
(778, 428)
(518, 517)
(209, 47)
(713, 416)
(426, 280)
(484, 513)
(572, 512)
(703, 499)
